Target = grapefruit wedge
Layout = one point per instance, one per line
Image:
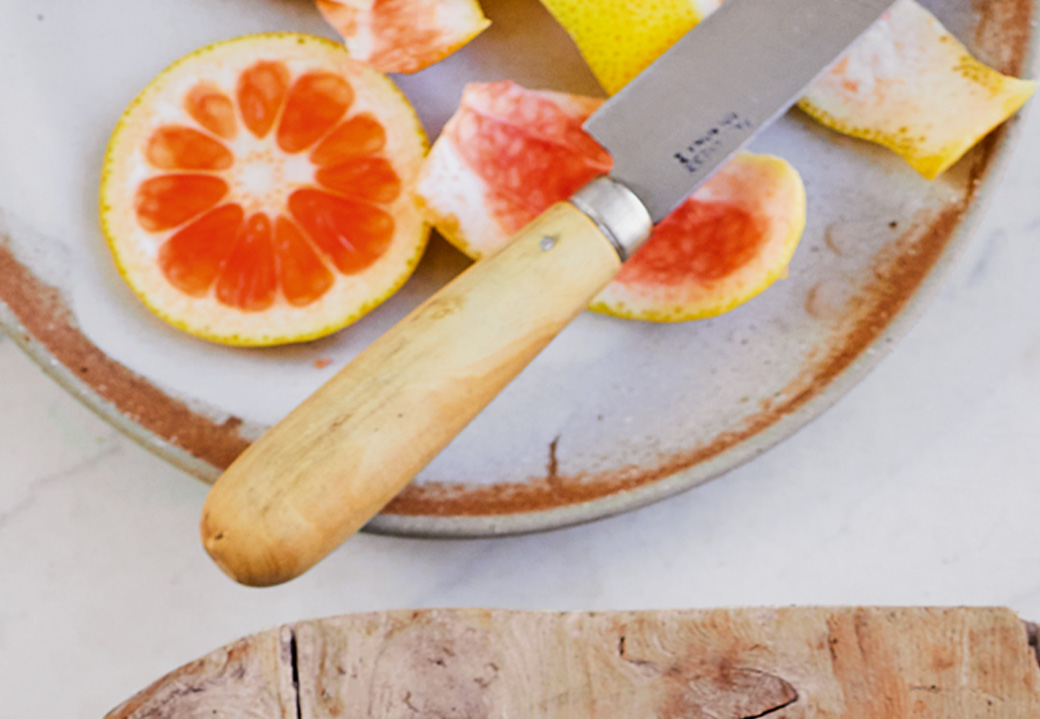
(259, 190)
(509, 153)
(404, 35)
(908, 84)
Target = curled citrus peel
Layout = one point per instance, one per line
(404, 35)
(908, 84)
(258, 191)
(620, 38)
(509, 153)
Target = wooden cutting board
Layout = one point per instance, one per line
(794, 663)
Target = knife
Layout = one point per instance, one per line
(335, 461)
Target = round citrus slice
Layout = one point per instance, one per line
(259, 190)
(404, 35)
(907, 84)
(509, 153)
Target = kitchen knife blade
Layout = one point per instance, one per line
(335, 461)
(705, 98)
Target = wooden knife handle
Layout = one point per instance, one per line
(317, 477)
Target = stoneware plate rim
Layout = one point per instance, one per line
(998, 148)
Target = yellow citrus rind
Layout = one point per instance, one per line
(907, 84)
(620, 38)
(911, 86)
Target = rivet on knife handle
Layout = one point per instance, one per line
(318, 476)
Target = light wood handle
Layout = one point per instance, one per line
(317, 477)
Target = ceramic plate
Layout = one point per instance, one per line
(612, 416)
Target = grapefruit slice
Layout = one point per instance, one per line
(404, 35)
(908, 84)
(509, 153)
(259, 190)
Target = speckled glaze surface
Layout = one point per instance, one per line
(614, 415)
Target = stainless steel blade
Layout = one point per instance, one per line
(748, 62)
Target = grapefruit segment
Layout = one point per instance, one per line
(282, 233)
(509, 153)
(212, 109)
(359, 136)
(365, 178)
(184, 148)
(191, 259)
(303, 276)
(261, 92)
(908, 84)
(314, 105)
(166, 201)
(404, 35)
(247, 279)
(354, 234)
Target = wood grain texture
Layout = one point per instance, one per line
(792, 663)
(251, 678)
(314, 479)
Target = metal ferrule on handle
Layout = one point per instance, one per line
(617, 212)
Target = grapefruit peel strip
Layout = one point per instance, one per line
(911, 86)
(403, 37)
(908, 84)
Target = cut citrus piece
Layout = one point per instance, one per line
(620, 38)
(504, 157)
(731, 240)
(908, 84)
(509, 153)
(404, 35)
(260, 190)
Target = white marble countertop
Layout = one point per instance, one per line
(920, 487)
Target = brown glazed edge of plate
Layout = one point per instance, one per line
(37, 318)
